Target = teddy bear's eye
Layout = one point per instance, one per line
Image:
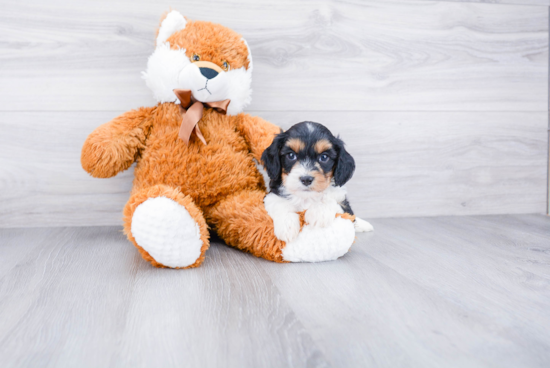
(196, 57)
(225, 65)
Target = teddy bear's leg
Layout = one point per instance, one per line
(242, 222)
(168, 229)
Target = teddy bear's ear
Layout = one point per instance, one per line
(249, 57)
(172, 23)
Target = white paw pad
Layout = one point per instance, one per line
(167, 232)
(315, 244)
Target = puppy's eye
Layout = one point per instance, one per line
(196, 57)
(225, 65)
(291, 156)
(323, 157)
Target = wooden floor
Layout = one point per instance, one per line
(418, 292)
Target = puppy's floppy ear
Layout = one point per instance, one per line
(271, 159)
(345, 164)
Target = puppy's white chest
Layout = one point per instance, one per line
(305, 200)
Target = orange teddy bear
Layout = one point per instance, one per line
(195, 153)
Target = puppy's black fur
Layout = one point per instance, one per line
(279, 158)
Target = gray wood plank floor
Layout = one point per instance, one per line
(418, 292)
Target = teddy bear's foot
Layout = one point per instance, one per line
(318, 244)
(167, 228)
(167, 232)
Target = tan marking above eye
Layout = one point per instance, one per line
(322, 146)
(296, 144)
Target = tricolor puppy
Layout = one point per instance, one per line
(307, 167)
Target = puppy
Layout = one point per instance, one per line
(307, 167)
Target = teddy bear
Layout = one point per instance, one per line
(197, 156)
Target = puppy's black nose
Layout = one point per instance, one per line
(306, 180)
(208, 73)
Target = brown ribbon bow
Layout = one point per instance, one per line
(191, 112)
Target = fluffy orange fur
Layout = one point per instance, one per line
(114, 146)
(242, 222)
(217, 183)
(212, 42)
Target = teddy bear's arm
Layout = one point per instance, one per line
(114, 146)
(257, 132)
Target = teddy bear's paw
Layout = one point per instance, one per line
(166, 230)
(318, 244)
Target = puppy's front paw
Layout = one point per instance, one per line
(286, 222)
(287, 227)
(321, 215)
(362, 226)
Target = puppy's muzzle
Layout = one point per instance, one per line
(208, 69)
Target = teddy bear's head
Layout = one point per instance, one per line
(212, 61)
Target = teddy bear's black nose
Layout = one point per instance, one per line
(208, 73)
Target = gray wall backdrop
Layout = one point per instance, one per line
(442, 103)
